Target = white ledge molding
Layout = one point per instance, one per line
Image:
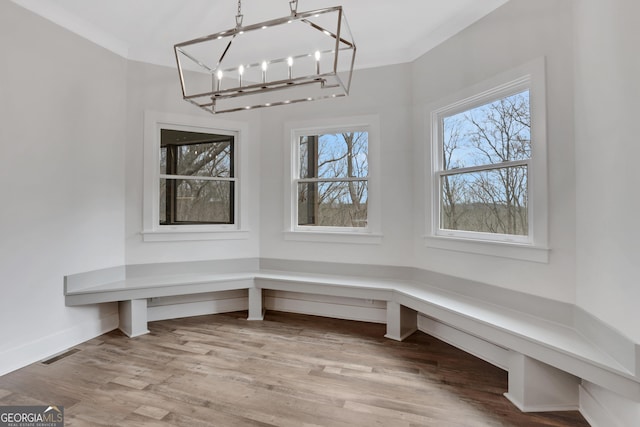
(511, 250)
(193, 235)
(333, 237)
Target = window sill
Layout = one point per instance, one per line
(177, 235)
(333, 237)
(517, 251)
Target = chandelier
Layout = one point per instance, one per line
(305, 56)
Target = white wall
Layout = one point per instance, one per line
(607, 107)
(514, 34)
(62, 136)
(156, 88)
(382, 91)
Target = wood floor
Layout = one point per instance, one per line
(289, 370)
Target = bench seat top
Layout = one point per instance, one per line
(501, 325)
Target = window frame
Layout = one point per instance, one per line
(153, 231)
(171, 196)
(532, 247)
(294, 131)
(298, 134)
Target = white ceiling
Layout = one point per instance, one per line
(386, 32)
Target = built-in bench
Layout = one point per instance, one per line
(547, 347)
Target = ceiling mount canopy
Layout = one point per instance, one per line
(304, 56)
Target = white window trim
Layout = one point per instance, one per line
(372, 233)
(533, 247)
(152, 230)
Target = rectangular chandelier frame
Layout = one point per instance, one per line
(230, 86)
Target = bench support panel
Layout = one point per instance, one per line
(537, 387)
(133, 317)
(256, 310)
(401, 321)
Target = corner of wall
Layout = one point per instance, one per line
(39, 349)
(603, 408)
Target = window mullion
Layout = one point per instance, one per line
(345, 179)
(232, 180)
(493, 166)
(171, 184)
(312, 165)
(199, 178)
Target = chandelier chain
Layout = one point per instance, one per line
(239, 15)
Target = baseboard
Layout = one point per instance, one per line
(539, 408)
(592, 411)
(48, 346)
(289, 305)
(603, 408)
(292, 302)
(403, 336)
(327, 309)
(199, 308)
(480, 348)
(316, 305)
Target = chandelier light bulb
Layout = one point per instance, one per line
(219, 75)
(264, 71)
(290, 64)
(317, 55)
(240, 73)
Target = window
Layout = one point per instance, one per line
(489, 168)
(334, 189)
(332, 179)
(197, 183)
(484, 168)
(193, 178)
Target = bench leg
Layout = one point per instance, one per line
(537, 387)
(401, 321)
(133, 317)
(256, 310)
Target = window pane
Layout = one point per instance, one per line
(212, 159)
(335, 155)
(492, 133)
(196, 201)
(308, 156)
(492, 201)
(196, 154)
(333, 204)
(163, 160)
(163, 201)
